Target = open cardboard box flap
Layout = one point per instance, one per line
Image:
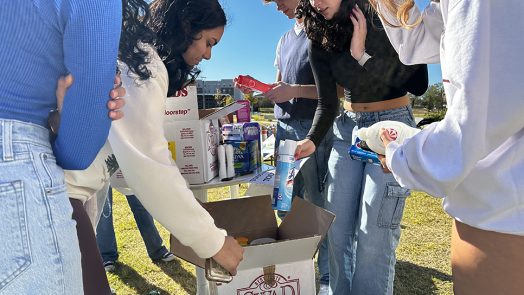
(216, 113)
(298, 237)
(305, 220)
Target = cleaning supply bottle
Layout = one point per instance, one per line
(276, 184)
(398, 131)
(286, 169)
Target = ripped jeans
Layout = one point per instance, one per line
(368, 204)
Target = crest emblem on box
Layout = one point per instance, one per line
(281, 286)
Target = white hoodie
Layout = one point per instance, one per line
(138, 143)
(475, 155)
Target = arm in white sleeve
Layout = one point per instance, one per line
(482, 62)
(277, 54)
(140, 148)
(419, 45)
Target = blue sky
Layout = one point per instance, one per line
(249, 41)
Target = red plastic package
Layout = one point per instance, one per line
(251, 83)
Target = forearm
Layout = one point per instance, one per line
(485, 104)
(328, 103)
(419, 45)
(307, 91)
(90, 56)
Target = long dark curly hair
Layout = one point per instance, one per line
(177, 23)
(135, 14)
(334, 34)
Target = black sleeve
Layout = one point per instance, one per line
(385, 65)
(327, 107)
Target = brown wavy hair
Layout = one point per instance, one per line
(334, 34)
(177, 23)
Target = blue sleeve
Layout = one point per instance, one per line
(91, 33)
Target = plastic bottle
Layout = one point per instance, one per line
(230, 159)
(276, 184)
(398, 131)
(222, 170)
(286, 169)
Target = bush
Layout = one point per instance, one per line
(436, 116)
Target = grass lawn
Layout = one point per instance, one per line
(422, 267)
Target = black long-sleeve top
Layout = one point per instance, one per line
(382, 77)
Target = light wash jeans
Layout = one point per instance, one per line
(311, 183)
(39, 251)
(368, 205)
(105, 231)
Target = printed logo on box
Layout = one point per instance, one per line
(282, 286)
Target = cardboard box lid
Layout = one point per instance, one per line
(251, 217)
(305, 220)
(215, 113)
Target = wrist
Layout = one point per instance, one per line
(363, 59)
(298, 91)
(357, 55)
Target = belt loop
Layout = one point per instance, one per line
(7, 140)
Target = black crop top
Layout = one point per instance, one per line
(381, 78)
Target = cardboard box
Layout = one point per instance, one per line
(193, 135)
(182, 106)
(298, 238)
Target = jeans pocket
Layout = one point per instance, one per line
(15, 255)
(392, 206)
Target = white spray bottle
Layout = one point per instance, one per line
(398, 131)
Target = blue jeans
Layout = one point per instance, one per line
(39, 250)
(311, 183)
(105, 232)
(368, 205)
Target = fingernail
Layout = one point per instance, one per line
(112, 105)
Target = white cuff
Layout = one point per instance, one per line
(364, 59)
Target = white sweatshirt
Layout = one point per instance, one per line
(138, 143)
(475, 155)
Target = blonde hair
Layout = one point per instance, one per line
(400, 10)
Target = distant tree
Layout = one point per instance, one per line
(434, 98)
(252, 99)
(228, 99)
(264, 102)
(222, 99)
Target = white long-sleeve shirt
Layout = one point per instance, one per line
(138, 143)
(474, 157)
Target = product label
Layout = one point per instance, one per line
(357, 153)
(286, 173)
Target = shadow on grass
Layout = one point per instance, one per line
(179, 274)
(134, 280)
(414, 279)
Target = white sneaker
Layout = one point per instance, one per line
(323, 290)
(109, 266)
(168, 257)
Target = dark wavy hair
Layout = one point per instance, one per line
(334, 34)
(135, 14)
(177, 23)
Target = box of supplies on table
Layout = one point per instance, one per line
(193, 135)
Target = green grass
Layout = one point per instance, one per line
(422, 267)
